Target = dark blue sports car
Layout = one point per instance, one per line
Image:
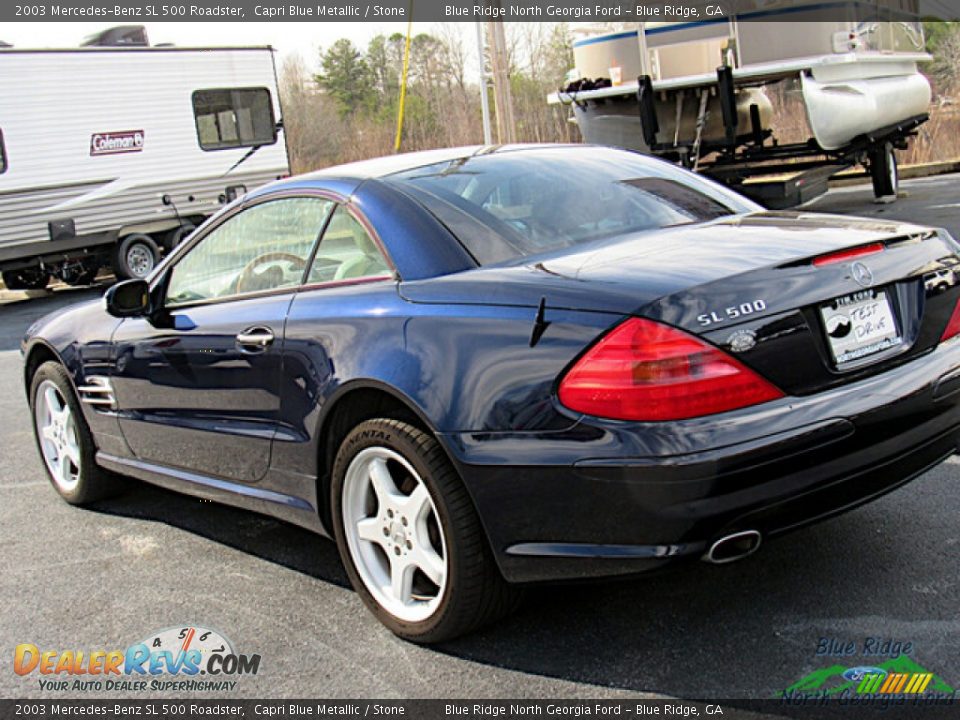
(480, 368)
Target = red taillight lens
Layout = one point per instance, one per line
(842, 255)
(646, 371)
(953, 326)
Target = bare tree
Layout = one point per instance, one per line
(945, 68)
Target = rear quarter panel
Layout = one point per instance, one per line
(463, 368)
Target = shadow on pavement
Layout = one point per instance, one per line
(743, 630)
(258, 535)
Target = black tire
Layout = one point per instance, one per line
(93, 482)
(135, 256)
(25, 279)
(475, 593)
(884, 172)
(177, 235)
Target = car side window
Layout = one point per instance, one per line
(347, 252)
(265, 247)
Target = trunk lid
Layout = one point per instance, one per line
(745, 283)
(776, 313)
(680, 259)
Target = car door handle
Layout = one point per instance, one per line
(255, 339)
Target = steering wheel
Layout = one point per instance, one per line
(251, 281)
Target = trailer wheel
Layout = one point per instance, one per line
(135, 257)
(25, 279)
(177, 235)
(883, 171)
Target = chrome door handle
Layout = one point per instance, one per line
(258, 338)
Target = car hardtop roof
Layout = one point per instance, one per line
(345, 179)
(390, 164)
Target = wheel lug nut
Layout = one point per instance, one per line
(404, 521)
(386, 532)
(396, 550)
(389, 513)
(409, 545)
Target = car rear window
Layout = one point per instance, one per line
(518, 203)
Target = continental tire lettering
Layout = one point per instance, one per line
(374, 435)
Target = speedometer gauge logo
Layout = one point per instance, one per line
(181, 640)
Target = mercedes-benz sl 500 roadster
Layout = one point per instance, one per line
(487, 367)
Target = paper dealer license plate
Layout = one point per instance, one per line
(859, 325)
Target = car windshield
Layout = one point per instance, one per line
(519, 203)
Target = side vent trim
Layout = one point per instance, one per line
(98, 392)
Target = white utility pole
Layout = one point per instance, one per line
(484, 98)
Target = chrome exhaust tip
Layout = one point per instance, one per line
(731, 548)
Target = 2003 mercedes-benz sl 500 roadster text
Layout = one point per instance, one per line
(480, 368)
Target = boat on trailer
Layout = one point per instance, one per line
(698, 93)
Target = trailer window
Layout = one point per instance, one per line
(232, 118)
(3, 155)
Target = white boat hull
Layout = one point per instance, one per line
(840, 110)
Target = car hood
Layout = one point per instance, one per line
(627, 273)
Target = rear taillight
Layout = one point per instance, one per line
(646, 371)
(953, 326)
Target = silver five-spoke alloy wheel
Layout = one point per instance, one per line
(57, 431)
(394, 535)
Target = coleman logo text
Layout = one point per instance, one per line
(111, 143)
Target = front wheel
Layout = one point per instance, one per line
(409, 536)
(64, 440)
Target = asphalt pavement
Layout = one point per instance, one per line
(106, 577)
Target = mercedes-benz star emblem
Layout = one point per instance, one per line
(862, 274)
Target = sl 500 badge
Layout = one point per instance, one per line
(731, 313)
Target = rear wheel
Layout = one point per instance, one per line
(177, 235)
(884, 172)
(135, 257)
(26, 279)
(64, 440)
(409, 536)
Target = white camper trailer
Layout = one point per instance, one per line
(110, 155)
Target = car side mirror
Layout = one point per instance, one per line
(130, 298)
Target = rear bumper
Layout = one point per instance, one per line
(606, 499)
